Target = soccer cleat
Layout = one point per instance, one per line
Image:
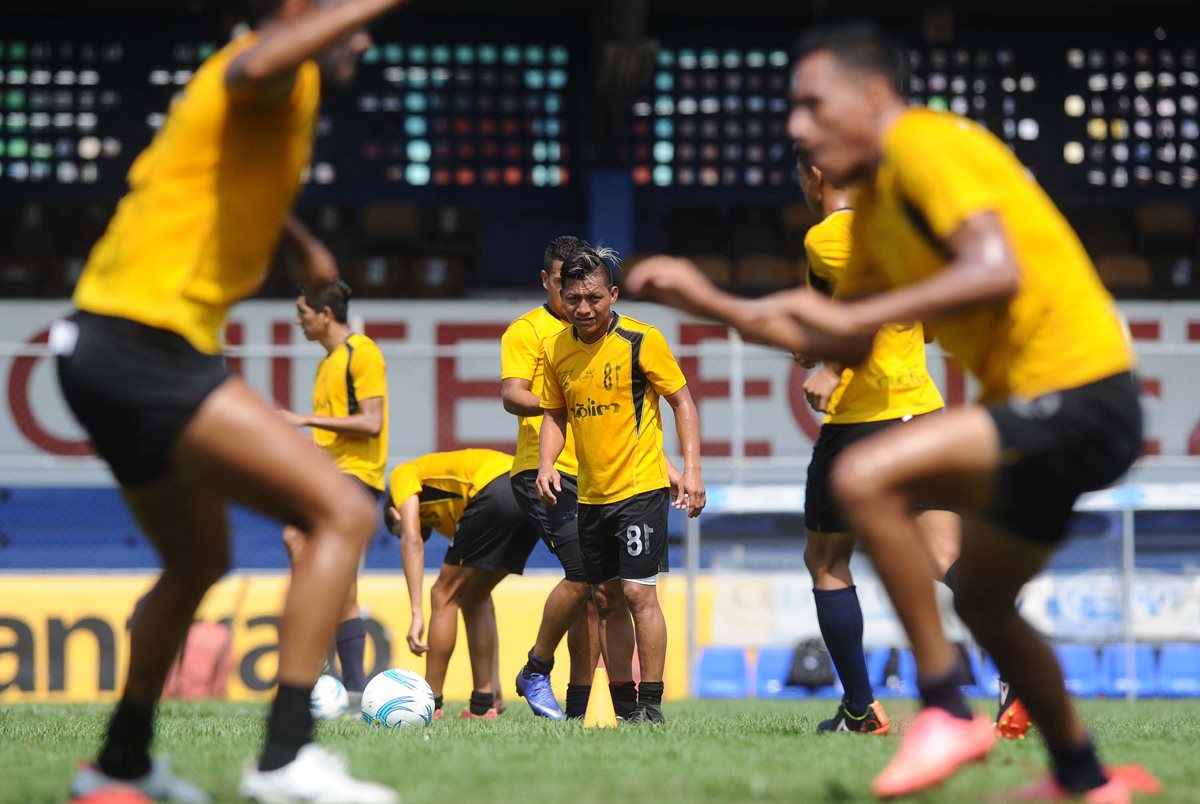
(159, 783)
(873, 721)
(1123, 782)
(646, 713)
(490, 714)
(536, 690)
(315, 776)
(936, 746)
(1012, 720)
(438, 714)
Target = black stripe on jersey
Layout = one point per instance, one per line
(822, 286)
(351, 396)
(429, 494)
(638, 377)
(917, 218)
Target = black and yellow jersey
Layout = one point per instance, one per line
(445, 483)
(349, 374)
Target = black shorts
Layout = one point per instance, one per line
(133, 388)
(625, 539)
(1058, 446)
(557, 525)
(493, 533)
(376, 494)
(821, 511)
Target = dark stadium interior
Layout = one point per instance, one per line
(474, 134)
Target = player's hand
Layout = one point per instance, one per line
(819, 388)
(294, 419)
(694, 494)
(669, 280)
(416, 635)
(678, 495)
(548, 482)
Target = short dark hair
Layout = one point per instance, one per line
(336, 296)
(862, 47)
(587, 262)
(560, 248)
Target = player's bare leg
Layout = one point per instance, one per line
(650, 628)
(616, 636)
(443, 624)
(483, 642)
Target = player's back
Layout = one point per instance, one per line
(446, 482)
(206, 203)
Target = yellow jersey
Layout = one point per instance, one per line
(521, 357)
(446, 482)
(1061, 329)
(610, 390)
(206, 203)
(349, 374)
(893, 382)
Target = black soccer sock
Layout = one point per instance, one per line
(126, 751)
(943, 692)
(539, 665)
(1077, 767)
(289, 727)
(481, 702)
(577, 699)
(839, 616)
(951, 577)
(351, 642)
(438, 700)
(625, 698)
(650, 693)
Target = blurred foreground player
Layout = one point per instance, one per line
(140, 366)
(466, 496)
(951, 229)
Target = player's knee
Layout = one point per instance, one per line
(578, 590)
(641, 597)
(607, 600)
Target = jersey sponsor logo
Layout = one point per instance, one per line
(591, 408)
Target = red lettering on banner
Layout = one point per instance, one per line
(956, 384)
(281, 367)
(1145, 330)
(701, 388)
(451, 390)
(235, 335)
(1193, 444)
(22, 410)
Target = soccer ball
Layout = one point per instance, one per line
(329, 700)
(397, 699)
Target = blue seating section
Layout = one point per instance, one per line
(1172, 671)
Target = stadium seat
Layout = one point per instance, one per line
(756, 229)
(1080, 669)
(453, 231)
(716, 267)
(1179, 670)
(723, 673)
(893, 672)
(1165, 227)
(437, 277)
(764, 273)
(1113, 682)
(1104, 230)
(1127, 276)
(391, 227)
(771, 672)
(696, 230)
(377, 277)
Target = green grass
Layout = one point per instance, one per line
(709, 751)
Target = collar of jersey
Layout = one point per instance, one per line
(553, 314)
(611, 326)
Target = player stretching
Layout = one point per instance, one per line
(466, 496)
(140, 366)
(521, 389)
(349, 421)
(951, 229)
(891, 387)
(604, 375)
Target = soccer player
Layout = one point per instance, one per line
(604, 375)
(349, 421)
(466, 496)
(951, 229)
(140, 366)
(891, 387)
(521, 390)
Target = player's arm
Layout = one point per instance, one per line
(801, 321)
(314, 266)
(982, 269)
(687, 426)
(552, 440)
(367, 423)
(405, 523)
(519, 398)
(820, 385)
(266, 70)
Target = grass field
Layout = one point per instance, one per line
(709, 751)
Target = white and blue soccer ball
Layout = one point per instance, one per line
(329, 699)
(397, 699)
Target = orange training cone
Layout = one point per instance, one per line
(600, 713)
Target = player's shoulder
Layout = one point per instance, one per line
(631, 324)
(363, 344)
(929, 130)
(833, 229)
(540, 321)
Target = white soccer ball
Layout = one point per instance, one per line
(329, 700)
(397, 699)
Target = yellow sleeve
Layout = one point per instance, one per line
(828, 253)
(944, 172)
(659, 365)
(368, 372)
(552, 390)
(859, 278)
(404, 483)
(520, 349)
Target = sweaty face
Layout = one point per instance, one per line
(552, 282)
(833, 117)
(311, 323)
(589, 306)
